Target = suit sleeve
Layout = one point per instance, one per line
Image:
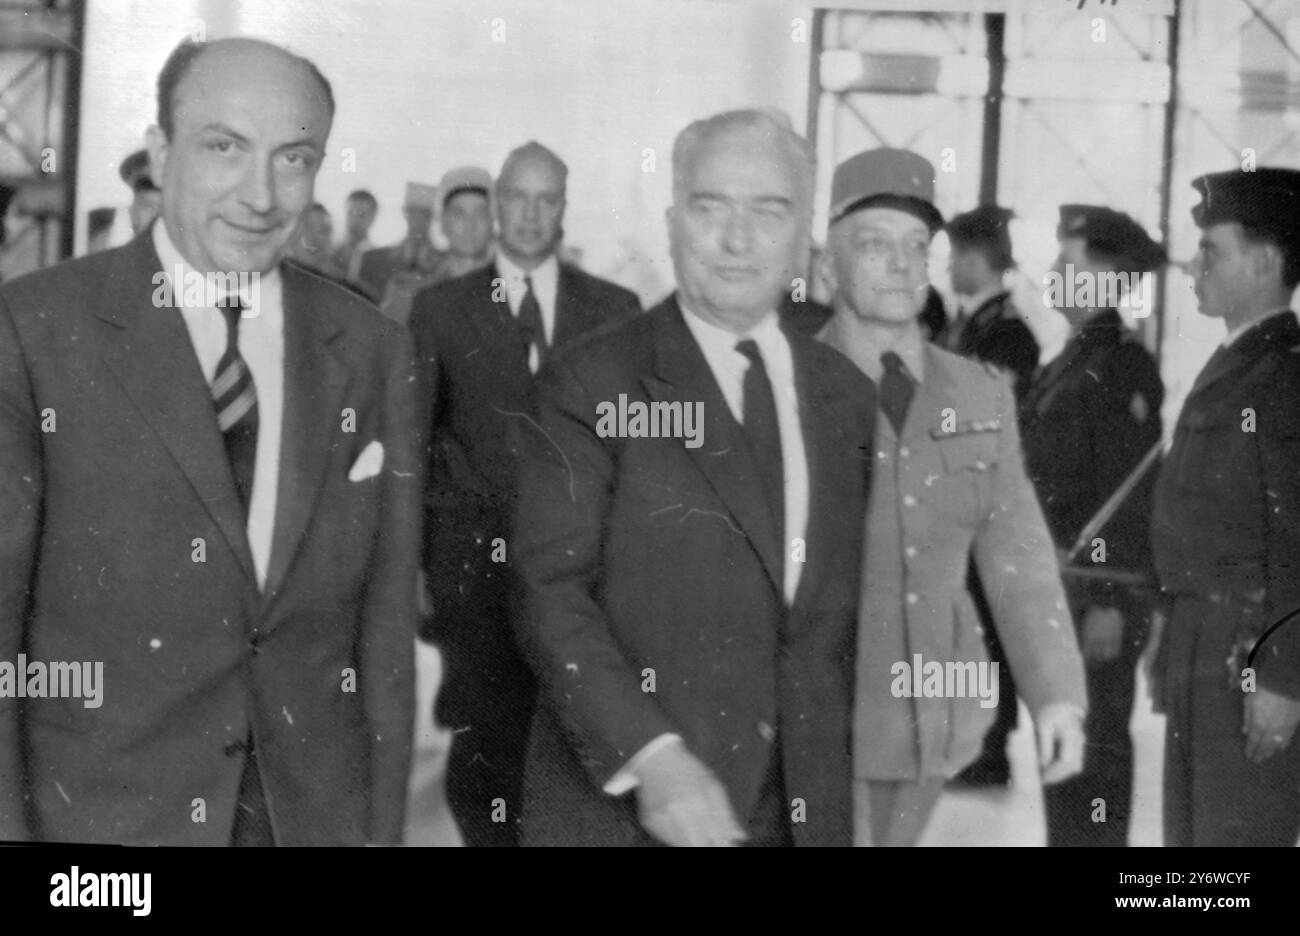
(20, 516)
(1278, 439)
(566, 489)
(1017, 564)
(388, 620)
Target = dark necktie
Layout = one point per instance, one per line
(896, 390)
(530, 321)
(235, 399)
(763, 432)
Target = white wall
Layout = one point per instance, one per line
(422, 86)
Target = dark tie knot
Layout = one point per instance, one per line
(749, 348)
(893, 364)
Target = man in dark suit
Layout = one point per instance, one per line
(393, 275)
(480, 338)
(692, 581)
(222, 508)
(1226, 532)
(1088, 420)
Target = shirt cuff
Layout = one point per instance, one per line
(626, 780)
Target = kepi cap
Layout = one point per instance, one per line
(1267, 199)
(887, 178)
(421, 196)
(465, 179)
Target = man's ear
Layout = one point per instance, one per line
(155, 142)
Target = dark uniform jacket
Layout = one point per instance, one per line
(1087, 419)
(1227, 505)
(995, 333)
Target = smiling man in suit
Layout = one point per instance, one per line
(480, 338)
(691, 599)
(221, 507)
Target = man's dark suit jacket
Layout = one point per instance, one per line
(475, 383)
(100, 522)
(653, 576)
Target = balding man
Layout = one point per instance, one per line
(480, 339)
(218, 508)
(688, 531)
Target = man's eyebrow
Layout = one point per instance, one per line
(232, 132)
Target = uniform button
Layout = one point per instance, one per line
(911, 552)
(904, 452)
(913, 598)
(766, 732)
(909, 501)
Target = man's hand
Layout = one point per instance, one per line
(1269, 723)
(1059, 728)
(1103, 634)
(681, 802)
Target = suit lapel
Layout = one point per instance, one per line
(497, 328)
(1280, 328)
(683, 374)
(316, 380)
(826, 416)
(574, 312)
(150, 353)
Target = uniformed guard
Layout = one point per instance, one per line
(1090, 418)
(988, 328)
(1226, 531)
(948, 484)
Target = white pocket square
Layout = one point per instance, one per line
(368, 463)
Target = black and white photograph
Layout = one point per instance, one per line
(626, 423)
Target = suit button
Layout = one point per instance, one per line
(910, 551)
(766, 732)
(909, 501)
(913, 598)
(904, 452)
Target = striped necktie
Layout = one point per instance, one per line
(235, 399)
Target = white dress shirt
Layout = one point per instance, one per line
(546, 286)
(261, 344)
(729, 367)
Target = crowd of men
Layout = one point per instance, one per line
(246, 506)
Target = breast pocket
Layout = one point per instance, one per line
(968, 459)
(1210, 446)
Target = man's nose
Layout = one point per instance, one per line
(258, 189)
(738, 235)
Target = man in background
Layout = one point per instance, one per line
(359, 215)
(948, 493)
(1226, 531)
(466, 222)
(393, 275)
(480, 338)
(145, 197)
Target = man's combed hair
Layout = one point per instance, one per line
(533, 150)
(1287, 242)
(769, 123)
(184, 56)
(364, 195)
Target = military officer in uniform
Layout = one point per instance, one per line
(1226, 531)
(1088, 419)
(988, 328)
(393, 275)
(948, 484)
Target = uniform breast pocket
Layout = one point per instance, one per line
(968, 459)
(1211, 450)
